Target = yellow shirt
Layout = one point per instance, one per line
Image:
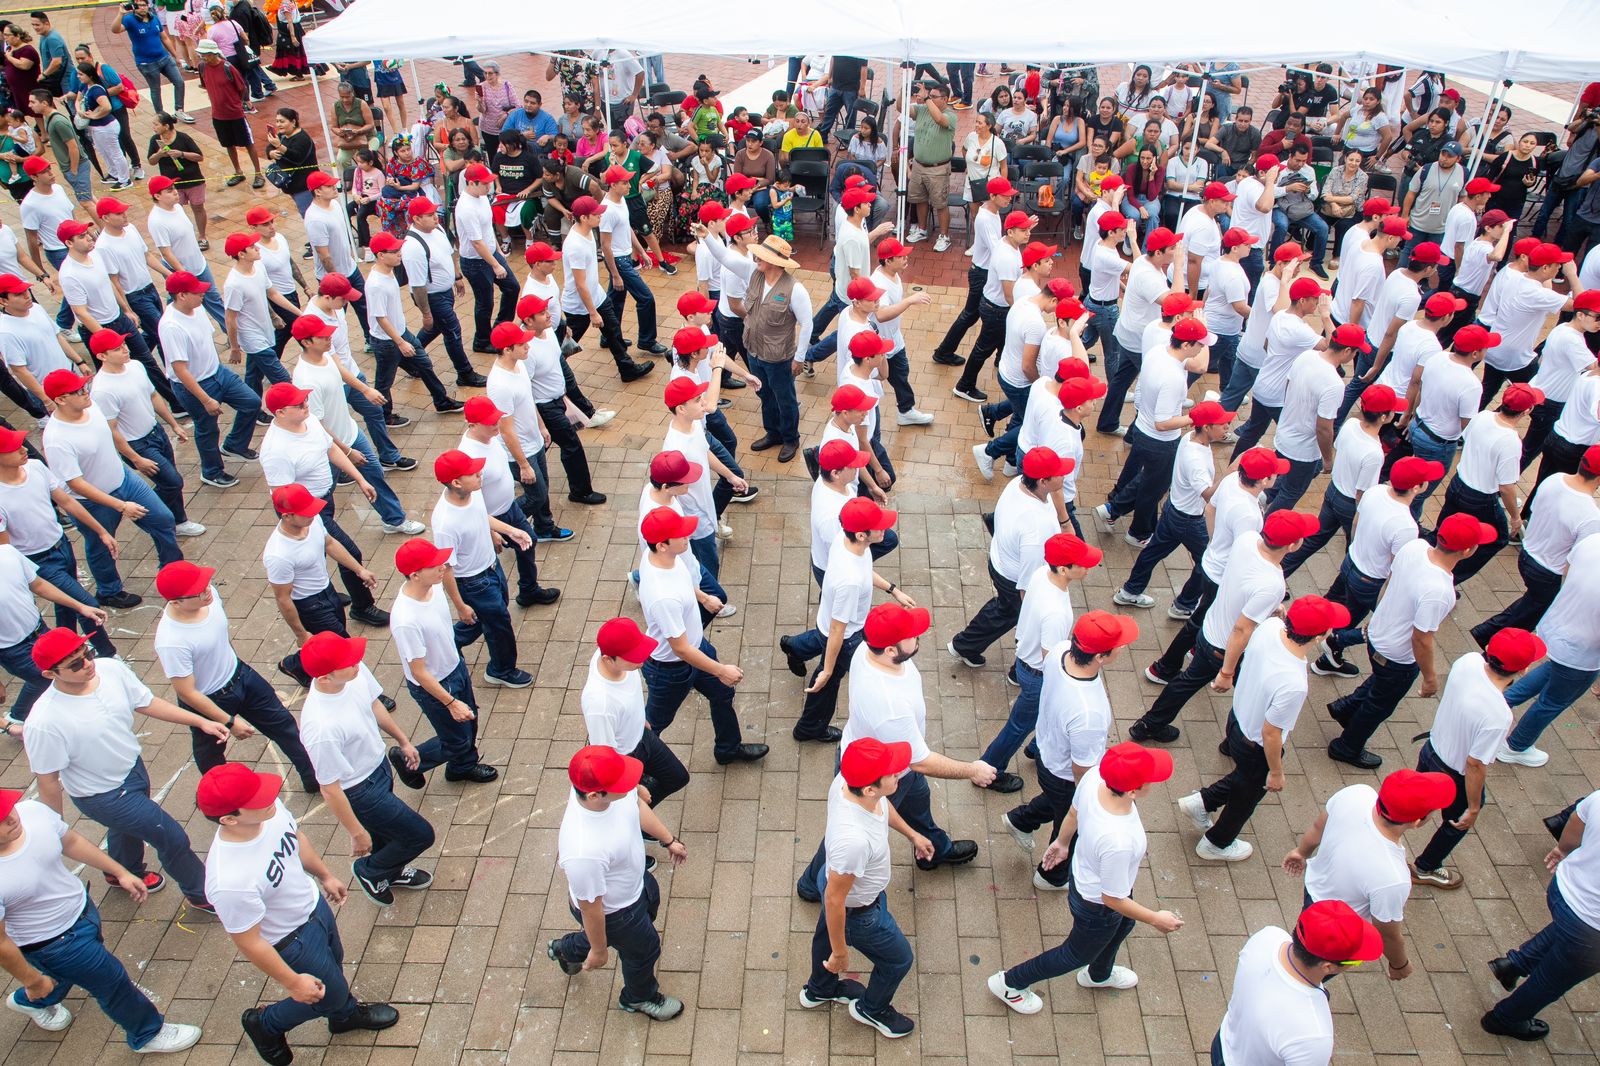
(795, 139)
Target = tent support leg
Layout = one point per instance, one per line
(905, 143)
(327, 140)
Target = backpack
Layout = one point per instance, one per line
(427, 258)
(1046, 196)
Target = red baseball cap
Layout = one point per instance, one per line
(1474, 338)
(1310, 616)
(109, 205)
(1289, 250)
(597, 768)
(1044, 462)
(1236, 236)
(1071, 366)
(1589, 463)
(69, 228)
(889, 623)
(851, 398)
(889, 248)
(839, 454)
(854, 198)
(674, 468)
(481, 411)
(1070, 310)
(738, 224)
(1461, 531)
(159, 183)
(1266, 161)
(1259, 463)
(9, 798)
(869, 760)
(1077, 391)
(1441, 304)
(1190, 331)
(530, 305)
(477, 172)
(1111, 221)
(102, 341)
(1377, 207)
(695, 302)
(712, 211)
(238, 242)
(296, 499)
(540, 252)
(1210, 413)
(1429, 254)
(738, 183)
(181, 281)
(1306, 289)
(616, 174)
(234, 787)
(620, 638)
(419, 553)
(385, 242)
(1111, 182)
(1394, 227)
(335, 285)
(691, 339)
(1407, 795)
(12, 440)
(860, 515)
(584, 206)
(1176, 303)
(1215, 190)
(862, 288)
(455, 463)
(1017, 220)
(1479, 186)
(328, 651)
(1350, 335)
(1381, 399)
(1098, 632)
(35, 165)
(1587, 300)
(284, 394)
(1000, 186)
(1525, 246)
(1161, 238)
(321, 178)
(663, 524)
(1283, 528)
(11, 285)
(1515, 649)
(1064, 549)
(1332, 931)
(1520, 397)
(58, 383)
(258, 216)
(1542, 256)
(183, 578)
(1038, 251)
(1128, 766)
(420, 205)
(682, 390)
(1411, 471)
(869, 345)
(307, 326)
(509, 335)
(52, 649)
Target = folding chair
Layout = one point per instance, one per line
(1036, 176)
(811, 196)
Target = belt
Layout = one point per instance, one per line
(292, 937)
(1034, 670)
(864, 906)
(41, 945)
(233, 678)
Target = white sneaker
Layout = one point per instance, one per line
(189, 529)
(1229, 437)
(51, 1019)
(367, 256)
(914, 417)
(984, 460)
(599, 418)
(1009, 469)
(941, 243)
(1102, 515)
(172, 1037)
(1024, 840)
(1195, 808)
(1121, 977)
(1235, 852)
(967, 253)
(915, 234)
(1021, 1000)
(184, 116)
(1129, 599)
(1134, 542)
(1531, 757)
(724, 531)
(410, 527)
(1045, 886)
(728, 611)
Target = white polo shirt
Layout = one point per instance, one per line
(1419, 596)
(341, 733)
(1357, 864)
(886, 706)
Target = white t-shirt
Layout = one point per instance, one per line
(857, 843)
(512, 392)
(1313, 393)
(1247, 216)
(851, 251)
(614, 228)
(1110, 846)
(288, 457)
(1571, 627)
(671, 609)
(124, 398)
(1202, 237)
(1235, 511)
(1022, 523)
(301, 564)
(276, 261)
(1253, 344)
(1044, 408)
(327, 228)
(1383, 526)
(1562, 516)
(422, 629)
(613, 711)
(1074, 716)
(846, 589)
(1414, 345)
(427, 259)
(1361, 277)
(88, 739)
(1274, 1018)
(43, 212)
(543, 367)
(1272, 682)
(1460, 226)
(170, 228)
(1105, 268)
(19, 614)
(1229, 285)
(1141, 299)
(246, 296)
(698, 500)
(1450, 393)
(83, 449)
(87, 285)
(200, 650)
(1578, 875)
(1252, 587)
(1398, 297)
(1418, 596)
(1473, 717)
(1472, 273)
(260, 882)
(1565, 356)
(825, 507)
(1579, 421)
(1491, 454)
(1519, 317)
(464, 527)
(123, 256)
(1356, 863)
(578, 252)
(550, 290)
(384, 302)
(602, 852)
(893, 292)
(188, 338)
(986, 233)
(1024, 326)
(1045, 619)
(30, 341)
(1357, 459)
(341, 733)
(1163, 384)
(327, 402)
(1288, 338)
(1005, 264)
(29, 511)
(1193, 470)
(498, 487)
(1499, 283)
(886, 706)
(474, 223)
(39, 898)
(339, 343)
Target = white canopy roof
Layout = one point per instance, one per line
(1548, 40)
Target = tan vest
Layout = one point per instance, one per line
(769, 322)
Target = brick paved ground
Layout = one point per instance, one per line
(465, 963)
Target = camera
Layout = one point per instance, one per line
(1286, 87)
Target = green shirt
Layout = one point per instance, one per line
(935, 144)
(60, 132)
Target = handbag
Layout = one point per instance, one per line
(278, 177)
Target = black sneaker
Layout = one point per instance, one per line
(121, 601)
(1005, 783)
(748, 495)
(987, 419)
(408, 777)
(484, 348)
(411, 878)
(371, 615)
(891, 1023)
(272, 1048)
(223, 480)
(571, 969)
(971, 393)
(387, 701)
(449, 405)
(561, 533)
(743, 753)
(473, 380)
(295, 673)
(948, 359)
(1530, 1030)
(262, 419)
(404, 462)
(797, 665)
(961, 852)
(829, 735)
(588, 499)
(395, 421)
(372, 1017)
(846, 991)
(377, 890)
(1326, 666)
(1161, 734)
(249, 455)
(543, 598)
(480, 774)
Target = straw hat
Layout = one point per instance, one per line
(777, 251)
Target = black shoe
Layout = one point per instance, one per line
(122, 601)
(788, 452)
(1363, 759)
(1481, 634)
(249, 455)
(449, 405)
(987, 419)
(405, 462)
(731, 382)
(262, 419)
(649, 864)
(1505, 972)
(1161, 734)
(571, 969)
(394, 421)
(483, 348)
(272, 1048)
(561, 533)
(830, 735)
(626, 342)
(378, 891)
(655, 348)
(408, 777)
(588, 499)
(747, 496)
(343, 598)
(371, 615)
(299, 676)
(971, 393)
(890, 1022)
(543, 598)
(809, 897)
(1319, 271)
(1327, 666)
(1032, 750)
(743, 753)
(1005, 783)
(472, 380)
(845, 991)
(763, 442)
(637, 369)
(797, 665)
(961, 852)
(948, 359)
(1530, 1030)
(387, 701)
(481, 774)
(412, 879)
(369, 1016)
(1339, 711)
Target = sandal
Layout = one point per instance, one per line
(237, 179)
(258, 182)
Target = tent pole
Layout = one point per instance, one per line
(905, 150)
(605, 98)
(333, 157)
(1194, 143)
(1481, 141)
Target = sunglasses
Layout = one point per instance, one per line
(77, 662)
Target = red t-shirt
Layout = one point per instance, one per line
(225, 86)
(1590, 97)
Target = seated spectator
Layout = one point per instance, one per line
(869, 148)
(1293, 135)
(1236, 142)
(800, 136)
(1364, 125)
(1343, 193)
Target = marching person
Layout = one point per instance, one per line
(341, 720)
(1564, 360)
(547, 372)
(172, 235)
(21, 623)
(434, 275)
(270, 884)
(1486, 480)
(482, 265)
(482, 439)
(249, 300)
(583, 298)
(97, 300)
(328, 233)
(623, 252)
(201, 381)
(1307, 421)
(522, 429)
(613, 706)
(394, 346)
(688, 403)
(1443, 397)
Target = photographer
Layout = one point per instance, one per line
(1583, 141)
(152, 54)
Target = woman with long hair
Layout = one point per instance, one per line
(868, 147)
(1207, 119)
(1134, 95)
(998, 101)
(94, 104)
(1363, 125)
(453, 117)
(986, 158)
(1066, 133)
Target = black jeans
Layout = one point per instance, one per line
(968, 315)
(320, 612)
(610, 332)
(565, 437)
(1288, 489)
(1250, 434)
(1485, 507)
(1174, 529)
(388, 360)
(1447, 836)
(1338, 513)
(664, 774)
(480, 277)
(991, 335)
(1540, 588)
(1237, 794)
(1146, 475)
(1560, 456)
(1372, 703)
(1182, 642)
(1050, 808)
(1541, 420)
(535, 498)
(399, 834)
(248, 695)
(632, 932)
(1493, 379)
(821, 705)
(1097, 933)
(360, 595)
(1202, 668)
(994, 619)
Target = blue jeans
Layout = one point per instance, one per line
(830, 309)
(387, 361)
(1418, 237)
(485, 593)
(1241, 376)
(632, 932)
(227, 389)
(442, 306)
(706, 554)
(1425, 444)
(1262, 416)
(147, 308)
(165, 67)
(780, 409)
(167, 482)
(58, 564)
(79, 957)
(669, 683)
(1338, 513)
(1287, 490)
(914, 803)
(399, 834)
(1020, 722)
(455, 744)
(1223, 354)
(158, 524)
(1097, 933)
(634, 285)
(905, 397)
(1555, 959)
(836, 101)
(1553, 688)
(1253, 264)
(1314, 223)
(387, 503)
(1372, 703)
(132, 820)
(480, 277)
(263, 365)
(1146, 474)
(248, 695)
(821, 705)
(65, 319)
(871, 930)
(1005, 445)
(1103, 325)
(18, 661)
(315, 949)
(527, 565)
(1174, 529)
(371, 415)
